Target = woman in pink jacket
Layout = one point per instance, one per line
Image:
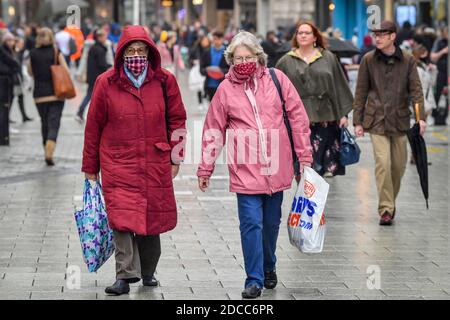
(248, 107)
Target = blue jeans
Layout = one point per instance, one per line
(260, 217)
(85, 101)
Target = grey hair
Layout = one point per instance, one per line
(244, 38)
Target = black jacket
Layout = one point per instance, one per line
(9, 68)
(205, 62)
(8, 65)
(443, 61)
(96, 63)
(196, 53)
(41, 60)
(274, 52)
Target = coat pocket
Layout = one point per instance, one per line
(403, 119)
(164, 151)
(369, 118)
(163, 146)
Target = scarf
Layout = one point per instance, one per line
(250, 80)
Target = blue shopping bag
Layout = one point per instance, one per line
(96, 237)
(350, 150)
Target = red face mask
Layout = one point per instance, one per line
(245, 68)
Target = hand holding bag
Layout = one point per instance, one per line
(96, 237)
(350, 150)
(62, 83)
(306, 221)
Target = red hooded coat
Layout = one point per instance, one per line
(126, 138)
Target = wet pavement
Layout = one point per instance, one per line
(202, 258)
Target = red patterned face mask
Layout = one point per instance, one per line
(245, 68)
(136, 64)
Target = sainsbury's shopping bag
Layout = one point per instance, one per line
(306, 221)
(92, 223)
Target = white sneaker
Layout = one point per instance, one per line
(13, 130)
(328, 174)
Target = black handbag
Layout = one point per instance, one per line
(286, 121)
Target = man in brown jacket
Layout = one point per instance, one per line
(388, 83)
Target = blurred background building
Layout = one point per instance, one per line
(349, 16)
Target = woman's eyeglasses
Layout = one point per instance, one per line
(132, 51)
(246, 59)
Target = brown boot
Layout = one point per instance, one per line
(49, 150)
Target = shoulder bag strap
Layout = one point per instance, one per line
(286, 120)
(56, 60)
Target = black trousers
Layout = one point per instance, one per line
(210, 92)
(441, 82)
(200, 97)
(4, 124)
(6, 96)
(440, 114)
(21, 102)
(50, 113)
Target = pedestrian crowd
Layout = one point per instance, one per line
(290, 89)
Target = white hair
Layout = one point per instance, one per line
(248, 40)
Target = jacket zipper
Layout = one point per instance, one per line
(251, 97)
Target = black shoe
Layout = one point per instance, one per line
(270, 279)
(132, 280)
(150, 281)
(251, 292)
(119, 287)
(27, 119)
(49, 162)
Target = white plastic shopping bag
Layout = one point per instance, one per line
(196, 80)
(306, 221)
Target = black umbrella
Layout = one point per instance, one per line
(344, 49)
(419, 152)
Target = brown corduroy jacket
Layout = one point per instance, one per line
(385, 89)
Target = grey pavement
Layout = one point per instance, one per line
(202, 258)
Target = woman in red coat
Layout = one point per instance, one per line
(135, 108)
